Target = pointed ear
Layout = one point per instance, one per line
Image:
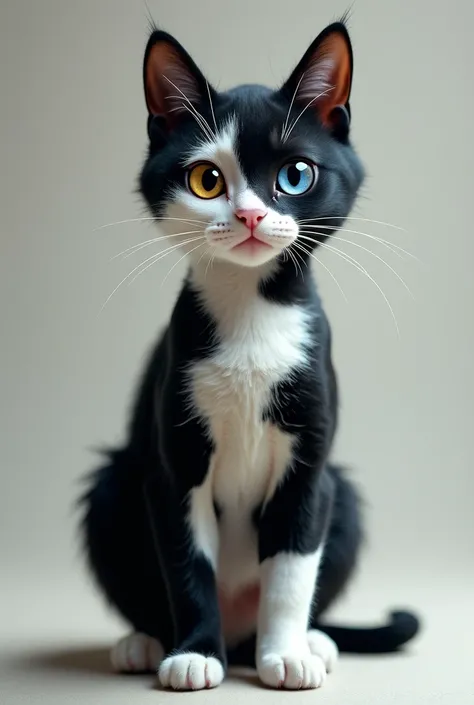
(172, 81)
(322, 80)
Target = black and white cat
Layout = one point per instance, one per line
(220, 531)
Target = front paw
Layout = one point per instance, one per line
(190, 672)
(292, 672)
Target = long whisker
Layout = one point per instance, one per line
(366, 249)
(353, 217)
(285, 124)
(211, 106)
(311, 254)
(362, 269)
(197, 116)
(295, 263)
(169, 249)
(180, 260)
(299, 259)
(396, 249)
(162, 254)
(290, 130)
(135, 248)
(156, 219)
(190, 104)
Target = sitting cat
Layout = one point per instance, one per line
(220, 530)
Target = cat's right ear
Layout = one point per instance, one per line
(172, 81)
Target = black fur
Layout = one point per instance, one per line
(135, 528)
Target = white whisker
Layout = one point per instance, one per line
(211, 106)
(347, 217)
(366, 249)
(163, 252)
(135, 248)
(285, 124)
(290, 130)
(300, 259)
(396, 249)
(180, 260)
(362, 269)
(157, 219)
(311, 254)
(191, 105)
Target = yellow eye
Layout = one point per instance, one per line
(206, 181)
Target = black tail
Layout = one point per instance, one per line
(401, 627)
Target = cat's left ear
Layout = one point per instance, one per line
(322, 80)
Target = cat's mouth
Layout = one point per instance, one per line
(252, 244)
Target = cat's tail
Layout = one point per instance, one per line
(390, 637)
(400, 628)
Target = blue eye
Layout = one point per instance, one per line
(296, 178)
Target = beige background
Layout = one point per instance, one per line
(72, 139)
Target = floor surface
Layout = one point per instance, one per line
(54, 644)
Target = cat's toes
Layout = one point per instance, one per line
(320, 644)
(137, 653)
(191, 672)
(291, 672)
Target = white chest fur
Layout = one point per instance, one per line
(260, 343)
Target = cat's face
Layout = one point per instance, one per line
(242, 175)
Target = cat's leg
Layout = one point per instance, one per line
(122, 556)
(292, 530)
(187, 539)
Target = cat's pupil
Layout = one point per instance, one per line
(294, 173)
(209, 179)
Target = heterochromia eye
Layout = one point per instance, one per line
(296, 178)
(206, 181)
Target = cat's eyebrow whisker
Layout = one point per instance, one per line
(211, 106)
(148, 218)
(353, 217)
(311, 254)
(135, 248)
(180, 260)
(203, 125)
(158, 254)
(362, 269)
(290, 129)
(193, 108)
(366, 249)
(285, 124)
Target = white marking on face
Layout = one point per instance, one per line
(225, 234)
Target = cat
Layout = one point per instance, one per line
(220, 530)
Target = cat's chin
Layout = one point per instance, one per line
(249, 256)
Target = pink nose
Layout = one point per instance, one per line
(250, 217)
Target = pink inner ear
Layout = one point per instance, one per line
(327, 77)
(169, 85)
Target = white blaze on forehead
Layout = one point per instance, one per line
(222, 151)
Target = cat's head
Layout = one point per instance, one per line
(238, 172)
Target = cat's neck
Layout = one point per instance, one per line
(231, 292)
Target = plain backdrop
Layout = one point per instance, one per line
(73, 136)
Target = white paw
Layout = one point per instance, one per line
(291, 672)
(137, 653)
(320, 644)
(191, 672)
